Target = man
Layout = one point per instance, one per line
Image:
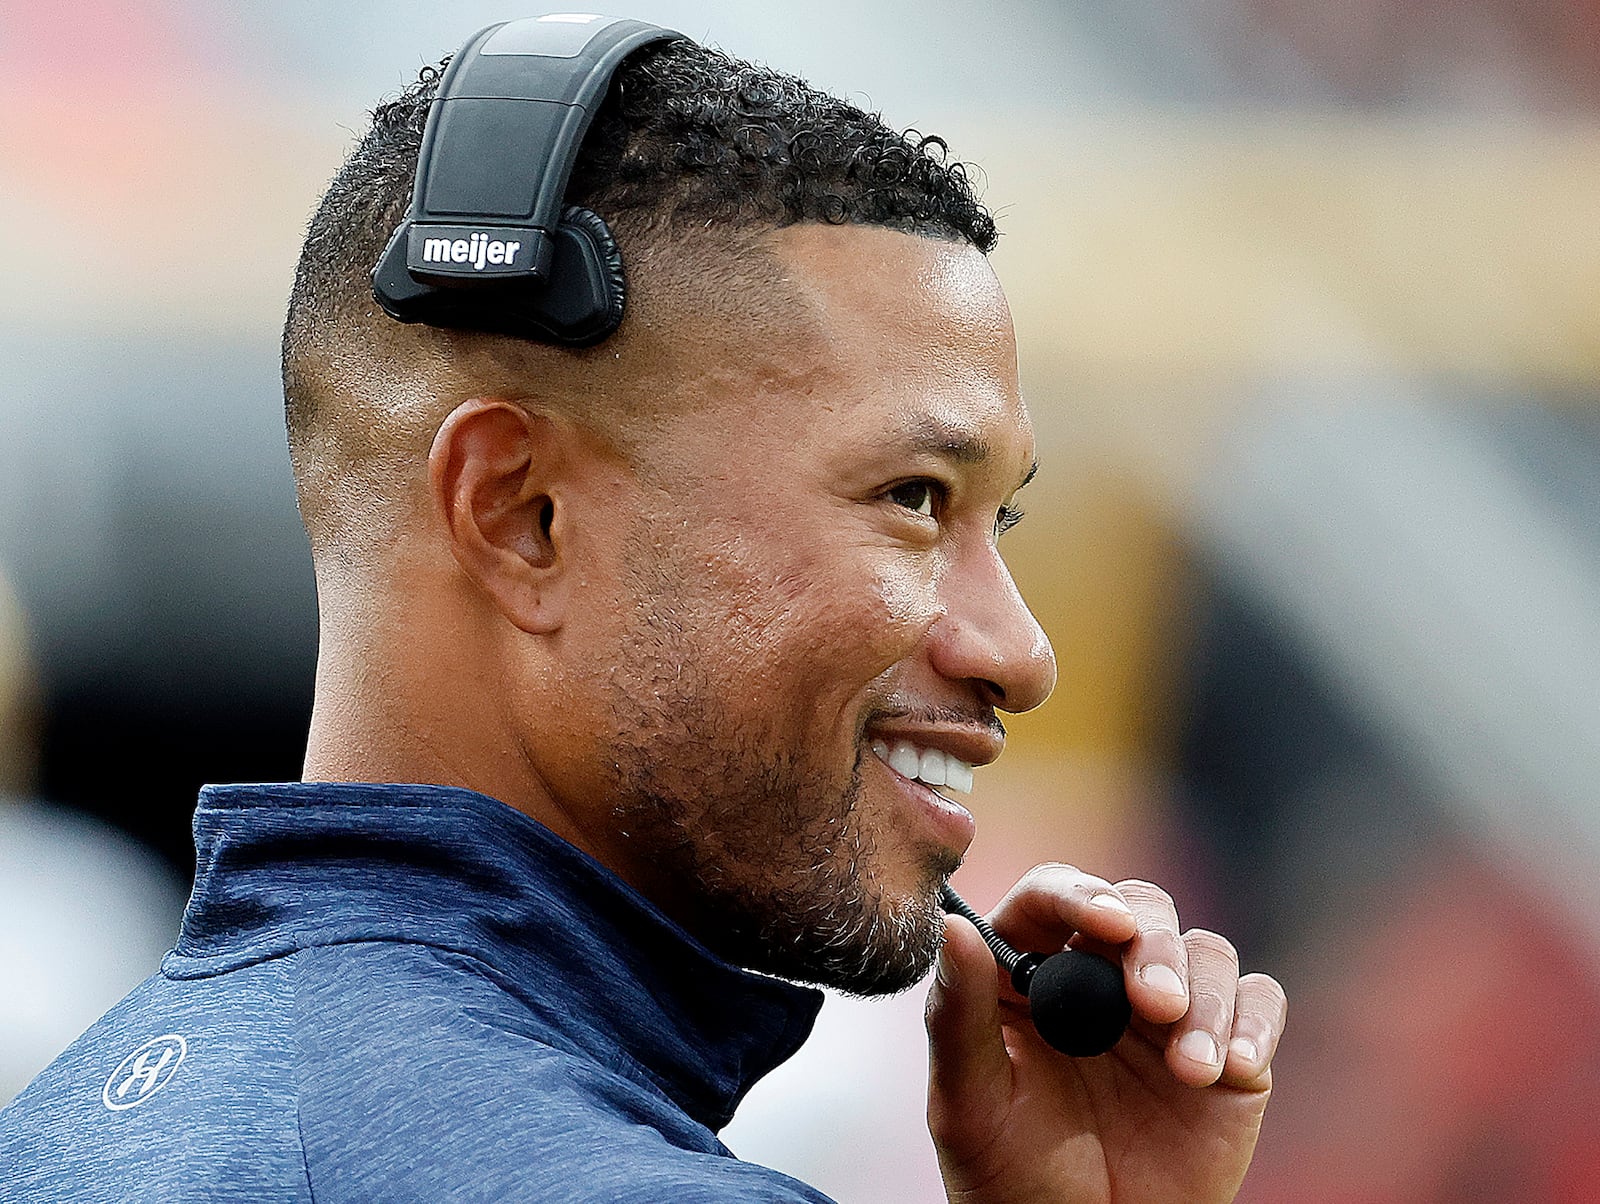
(681, 629)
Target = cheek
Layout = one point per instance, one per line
(814, 620)
(832, 633)
(906, 597)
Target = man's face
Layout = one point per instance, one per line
(816, 617)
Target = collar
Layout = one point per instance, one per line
(291, 866)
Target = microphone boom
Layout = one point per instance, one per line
(1077, 1000)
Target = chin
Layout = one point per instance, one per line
(844, 934)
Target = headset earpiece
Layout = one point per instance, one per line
(579, 303)
(583, 303)
(488, 242)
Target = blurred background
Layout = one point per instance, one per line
(1309, 307)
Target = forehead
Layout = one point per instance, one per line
(904, 330)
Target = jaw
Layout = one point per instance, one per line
(915, 836)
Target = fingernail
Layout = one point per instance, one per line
(942, 969)
(1244, 1049)
(1109, 902)
(1162, 978)
(1198, 1046)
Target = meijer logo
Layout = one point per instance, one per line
(144, 1072)
(478, 250)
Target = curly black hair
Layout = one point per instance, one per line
(705, 136)
(694, 134)
(686, 137)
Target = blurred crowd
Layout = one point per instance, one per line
(1308, 300)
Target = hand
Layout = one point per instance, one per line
(1170, 1114)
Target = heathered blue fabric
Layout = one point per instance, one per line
(409, 993)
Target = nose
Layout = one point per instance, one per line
(987, 635)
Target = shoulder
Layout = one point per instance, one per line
(376, 1073)
(466, 1095)
(165, 1092)
(198, 1078)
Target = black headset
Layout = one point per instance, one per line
(488, 242)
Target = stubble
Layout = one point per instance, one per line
(757, 842)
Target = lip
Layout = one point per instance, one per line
(951, 823)
(972, 744)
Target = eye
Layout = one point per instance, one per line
(920, 496)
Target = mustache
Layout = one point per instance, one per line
(959, 716)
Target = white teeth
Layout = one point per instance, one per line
(958, 776)
(904, 760)
(930, 765)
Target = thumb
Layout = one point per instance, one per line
(969, 1071)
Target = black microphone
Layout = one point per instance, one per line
(1076, 999)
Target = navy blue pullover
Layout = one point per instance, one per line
(408, 993)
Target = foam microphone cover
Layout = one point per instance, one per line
(1079, 1003)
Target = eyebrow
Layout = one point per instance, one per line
(937, 437)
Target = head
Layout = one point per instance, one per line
(670, 593)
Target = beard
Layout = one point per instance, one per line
(762, 853)
(778, 878)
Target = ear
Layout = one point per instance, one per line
(495, 472)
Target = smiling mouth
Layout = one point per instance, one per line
(930, 766)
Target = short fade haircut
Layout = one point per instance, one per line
(688, 142)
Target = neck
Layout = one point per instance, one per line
(404, 698)
(389, 708)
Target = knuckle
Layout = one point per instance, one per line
(1089, 885)
(1138, 888)
(1205, 941)
(1050, 879)
(1048, 872)
(1264, 983)
(1162, 945)
(1269, 991)
(1210, 1007)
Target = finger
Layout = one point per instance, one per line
(1051, 902)
(1259, 1015)
(969, 1071)
(1198, 1043)
(1156, 963)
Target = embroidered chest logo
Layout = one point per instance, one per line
(144, 1072)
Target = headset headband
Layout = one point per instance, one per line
(487, 243)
